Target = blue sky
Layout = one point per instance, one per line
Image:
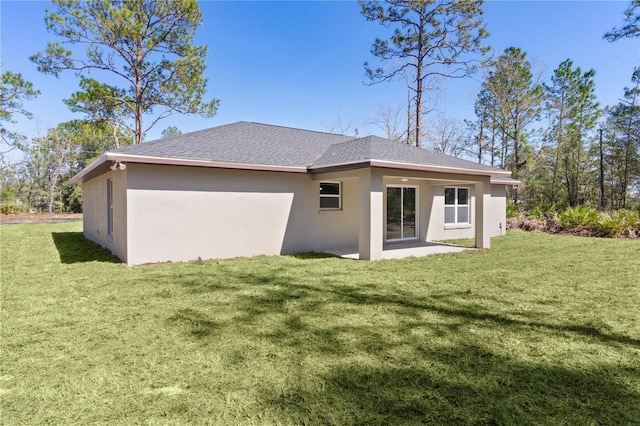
(300, 64)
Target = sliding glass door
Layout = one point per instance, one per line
(402, 217)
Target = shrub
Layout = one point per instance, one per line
(580, 220)
(610, 225)
(631, 221)
(11, 208)
(512, 210)
(581, 217)
(542, 212)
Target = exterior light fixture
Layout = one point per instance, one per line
(404, 179)
(118, 165)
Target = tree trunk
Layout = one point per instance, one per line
(419, 77)
(139, 109)
(408, 114)
(602, 206)
(480, 138)
(418, 116)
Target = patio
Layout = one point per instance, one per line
(402, 249)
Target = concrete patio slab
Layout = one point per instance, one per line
(403, 249)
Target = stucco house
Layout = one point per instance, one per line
(248, 189)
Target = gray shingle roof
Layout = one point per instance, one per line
(375, 148)
(263, 144)
(242, 142)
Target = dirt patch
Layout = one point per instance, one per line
(39, 217)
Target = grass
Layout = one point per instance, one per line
(542, 329)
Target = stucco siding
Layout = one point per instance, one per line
(95, 212)
(437, 229)
(181, 213)
(498, 211)
(186, 213)
(331, 229)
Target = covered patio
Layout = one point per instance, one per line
(401, 211)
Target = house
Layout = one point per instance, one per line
(248, 189)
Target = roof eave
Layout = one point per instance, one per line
(505, 181)
(411, 166)
(129, 158)
(497, 176)
(141, 159)
(79, 178)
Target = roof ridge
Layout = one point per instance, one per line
(339, 145)
(296, 128)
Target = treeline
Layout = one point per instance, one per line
(158, 71)
(40, 180)
(555, 137)
(551, 133)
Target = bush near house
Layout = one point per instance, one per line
(581, 220)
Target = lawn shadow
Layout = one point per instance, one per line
(375, 380)
(278, 287)
(471, 385)
(195, 322)
(312, 255)
(475, 314)
(73, 247)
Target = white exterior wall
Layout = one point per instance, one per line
(335, 228)
(498, 211)
(186, 213)
(172, 213)
(95, 212)
(438, 231)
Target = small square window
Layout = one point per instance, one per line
(330, 196)
(456, 206)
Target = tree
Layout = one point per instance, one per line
(485, 129)
(388, 119)
(624, 139)
(170, 132)
(145, 44)
(573, 111)
(340, 127)
(511, 101)
(14, 90)
(101, 103)
(431, 38)
(631, 28)
(50, 161)
(448, 136)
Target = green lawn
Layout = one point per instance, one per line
(541, 329)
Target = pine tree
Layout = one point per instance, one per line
(145, 44)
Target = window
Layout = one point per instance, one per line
(330, 196)
(110, 207)
(456, 206)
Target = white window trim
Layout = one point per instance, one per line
(338, 196)
(110, 208)
(455, 205)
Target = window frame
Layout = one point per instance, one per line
(338, 195)
(416, 219)
(110, 207)
(456, 205)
